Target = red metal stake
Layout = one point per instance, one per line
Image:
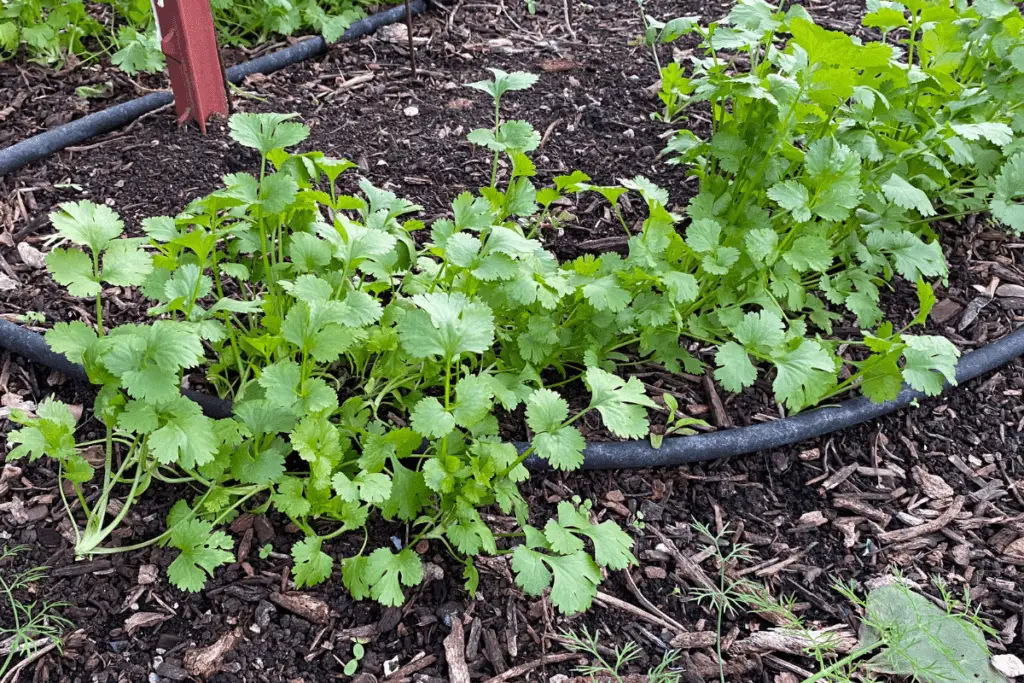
(189, 42)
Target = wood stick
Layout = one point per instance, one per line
(411, 668)
(412, 48)
(455, 653)
(12, 675)
(517, 671)
(936, 524)
(611, 601)
(631, 585)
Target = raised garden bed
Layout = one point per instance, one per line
(810, 512)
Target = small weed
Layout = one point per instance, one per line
(352, 665)
(612, 665)
(902, 632)
(32, 625)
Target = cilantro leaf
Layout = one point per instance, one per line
(546, 410)
(354, 576)
(148, 358)
(621, 403)
(73, 269)
(52, 433)
(504, 81)
(562, 448)
(605, 294)
(446, 325)
(138, 51)
(905, 195)
(793, 197)
(761, 331)
(409, 493)
(71, 339)
(202, 551)
(929, 362)
(429, 418)
(312, 564)
(573, 578)
(1008, 191)
(734, 371)
(185, 436)
(611, 544)
(804, 374)
(386, 573)
(289, 498)
(87, 224)
(266, 132)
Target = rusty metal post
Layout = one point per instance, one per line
(189, 41)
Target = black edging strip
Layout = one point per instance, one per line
(637, 454)
(44, 144)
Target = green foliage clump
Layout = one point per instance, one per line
(847, 150)
(51, 32)
(369, 370)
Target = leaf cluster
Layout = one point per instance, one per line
(372, 360)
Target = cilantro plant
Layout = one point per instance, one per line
(827, 162)
(371, 372)
(367, 372)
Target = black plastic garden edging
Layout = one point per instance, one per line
(637, 454)
(39, 146)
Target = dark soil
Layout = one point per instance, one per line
(811, 513)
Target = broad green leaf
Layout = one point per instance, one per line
(446, 325)
(905, 195)
(202, 551)
(386, 573)
(267, 132)
(71, 339)
(312, 564)
(793, 197)
(930, 361)
(735, 371)
(621, 403)
(761, 331)
(429, 418)
(561, 447)
(803, 374)
(73, 269)
(923, 641)
(87, 224)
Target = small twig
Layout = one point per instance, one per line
(86, 148)
(517, 671)
(610, 601)
(547, 133)
(455, 653)
(568, 21)
(936, 524)
(411, 668)
(156, 111)
(7, 645)
(687, 567)
(631, 585)
(408, 25)
(12, 675)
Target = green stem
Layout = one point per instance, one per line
(497, 120)
(839, 664)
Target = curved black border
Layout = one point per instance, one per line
(636, 454)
